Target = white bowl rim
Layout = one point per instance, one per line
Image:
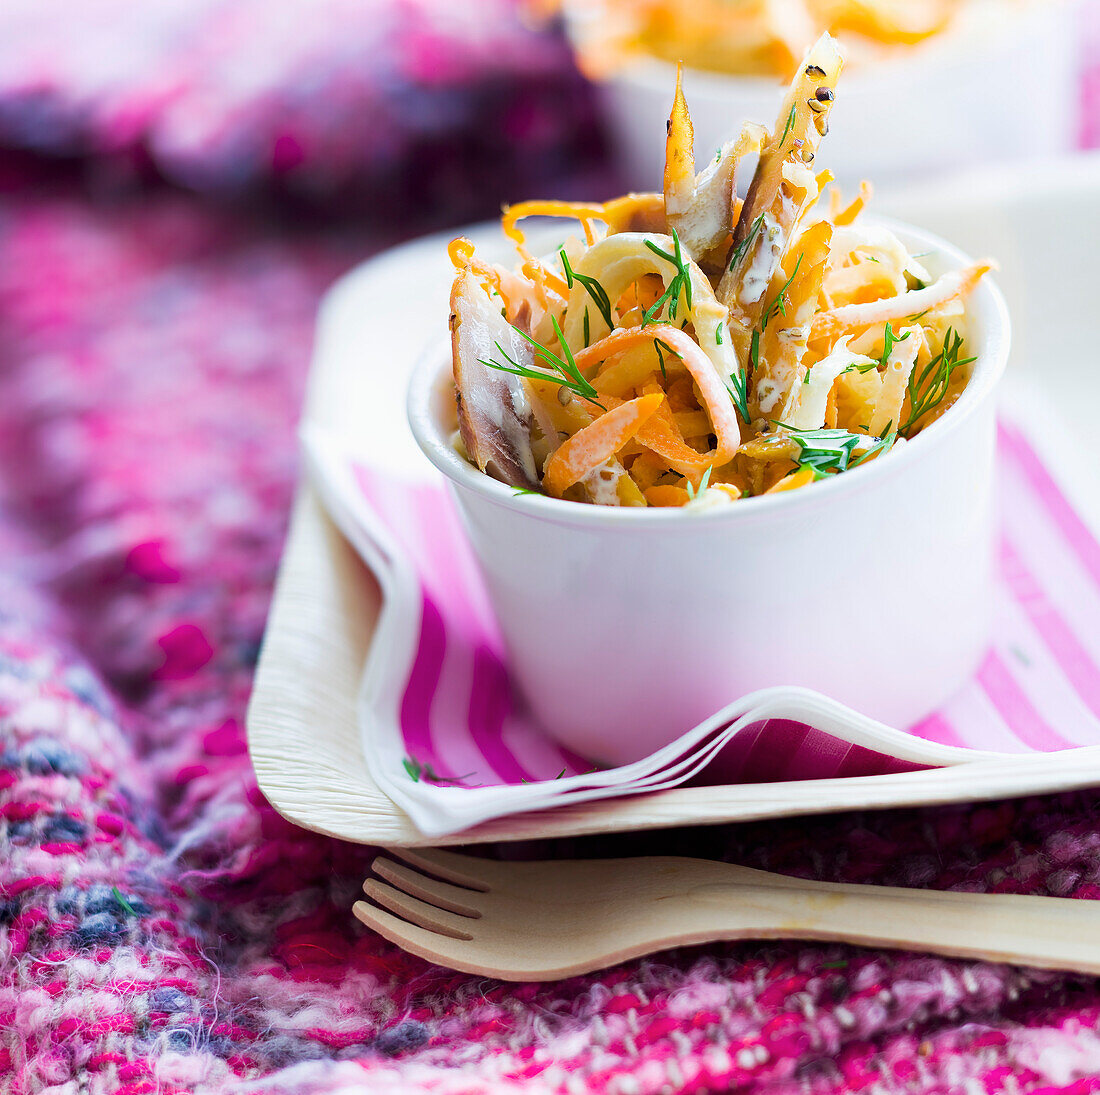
(988, 370)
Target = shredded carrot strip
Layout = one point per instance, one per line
(581, 211)
(666, 496)
(846, 216)
(639, 294)
(663, 436)
(647, 468)
(848, 317)
(544, 279)
(461, 253)
(679, 155)
(793, 481)
(681, 394)
(715, 397)
(594, 445)
(531, 267)
(635, 213)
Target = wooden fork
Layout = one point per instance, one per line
(541, 921)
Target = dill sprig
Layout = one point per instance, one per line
(565, 371)
(788, 127)
(883, 445)
(889, 341)
(594, 289)
(824, 450)
(738, 383)
(862, 366)
(680, 283)
(779, 303)
(743, 246)
(560, 775)
(929, 389)
(738, 387)
(123, 901)
(659, 345)
(418, 771)
(694, 492)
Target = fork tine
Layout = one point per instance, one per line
(418, 912)
(441, 894)
(462, 870)
(442, 950)
(466, 955)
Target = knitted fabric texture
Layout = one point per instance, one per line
(162, 929)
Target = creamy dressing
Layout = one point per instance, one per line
(768, 392)
(765, 258)
(602, 485)
(519, 401)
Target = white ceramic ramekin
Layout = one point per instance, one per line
(626, 627)
(1002, 85)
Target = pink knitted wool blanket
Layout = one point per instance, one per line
(163, 930)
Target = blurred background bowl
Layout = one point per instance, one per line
(1002, 84)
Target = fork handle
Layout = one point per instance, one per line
(1048, 932)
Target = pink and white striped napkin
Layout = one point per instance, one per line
(451, 744)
